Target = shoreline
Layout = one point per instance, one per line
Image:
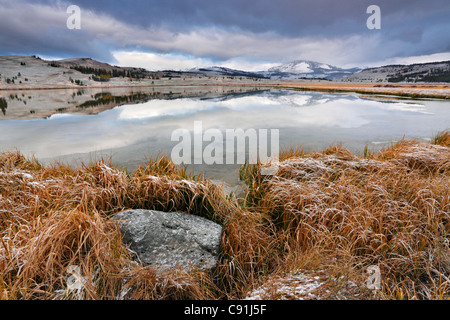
(141, 86)
(435, 91)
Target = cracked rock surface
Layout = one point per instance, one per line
(171, 239)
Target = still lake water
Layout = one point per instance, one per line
(142, 127)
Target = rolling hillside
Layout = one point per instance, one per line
(423, 72)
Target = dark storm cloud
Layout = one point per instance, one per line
(254, 29)
(286, 17)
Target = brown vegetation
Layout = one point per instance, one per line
(331, 213)
(435, 91)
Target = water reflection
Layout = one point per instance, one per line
(134, 132)
(36, 104)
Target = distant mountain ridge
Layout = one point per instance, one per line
(25, 71)
(298, 69)
(309, 69)
(418, 72)
(222, 71)
(305, 69)
(82, 64)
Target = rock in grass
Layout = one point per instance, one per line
(171, 239)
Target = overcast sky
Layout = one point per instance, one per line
(243, 34)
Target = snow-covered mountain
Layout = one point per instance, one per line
(301, 66)
(308, 69)
(293, 70)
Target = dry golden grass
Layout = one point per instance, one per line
(438, 91)
(55, 217)
(330, 212)
(442, 139)
(391, 209)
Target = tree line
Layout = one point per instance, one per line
(104, 75)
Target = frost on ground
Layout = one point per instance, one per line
(427, 155)
(298, 285)
(308, 285)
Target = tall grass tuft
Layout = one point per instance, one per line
(390, 210)
(442, 139)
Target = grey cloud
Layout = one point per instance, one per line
(325, 30)
(291, 18)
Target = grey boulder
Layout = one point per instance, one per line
(171, 239)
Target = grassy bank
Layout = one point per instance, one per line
(330, 213)
(416, 91)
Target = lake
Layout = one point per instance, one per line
(131, 126)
